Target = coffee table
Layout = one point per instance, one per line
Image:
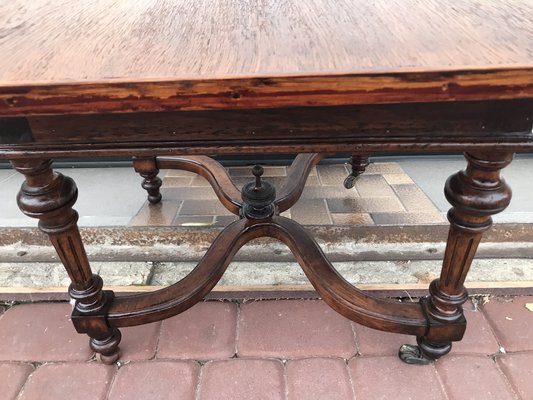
(172, 83)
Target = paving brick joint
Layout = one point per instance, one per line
(290, 350)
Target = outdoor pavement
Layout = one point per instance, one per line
(293, 349)
(392, 191)
(283, 349)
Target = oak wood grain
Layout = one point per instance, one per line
(69, 40)
(155, 55)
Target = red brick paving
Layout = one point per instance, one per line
(80, 381)
(319, 378)
(241, 379)
(156, 380)
(204, 332)
(139, 342)
(479, 337)
(12, 377)
(388, 378)
(518, 368)
(473, 377)
(512, 322)
(32, 332)
(293, 329)
(288, 350)
(371, 342)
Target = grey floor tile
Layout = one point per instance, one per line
(332, 175)
(162, 213)
(373, 186)
(6, 174)
(365, 205)
(430, 174)
(202, 207)
(352, 219)
(407, 218)
(110, 194)
(8, 199)
(310, 212)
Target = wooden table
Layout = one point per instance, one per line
(170, 82)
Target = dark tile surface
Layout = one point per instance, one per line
(365, 205)
(310, 212)
(202, 207)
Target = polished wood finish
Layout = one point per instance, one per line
(159, 55)
(417, 127)
(268, 91)
(475, 194)
(49, 197)
(148, 169)
(47, 42)
(171, 82)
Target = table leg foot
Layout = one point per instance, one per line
(49, 197)
(424, 352)
(412, 354)
(107, 346)
(359, 162)
(476, 194)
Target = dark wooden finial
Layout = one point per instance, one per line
(258, 171)
(258, 197)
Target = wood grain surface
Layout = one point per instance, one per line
(70, 40)
(162, 55)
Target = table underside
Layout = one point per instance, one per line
(379, 128)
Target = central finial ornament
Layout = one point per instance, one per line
(258, 197)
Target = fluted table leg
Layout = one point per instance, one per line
(475, 194)
(49, 196)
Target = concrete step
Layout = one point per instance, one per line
(376, 258)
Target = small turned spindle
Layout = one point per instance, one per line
(258, 197)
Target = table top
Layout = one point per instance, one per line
(109, 55)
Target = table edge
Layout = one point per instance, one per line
(255, 91)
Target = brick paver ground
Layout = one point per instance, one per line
(288, 350)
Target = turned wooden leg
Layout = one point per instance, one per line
(475, 194)
(49, 196)
(359, 162)
(148, 169)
